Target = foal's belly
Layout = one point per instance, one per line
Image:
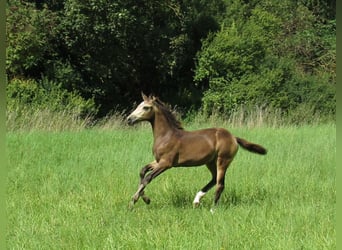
(197, 149)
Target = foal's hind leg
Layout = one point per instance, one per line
(212, 168)
(222, 166)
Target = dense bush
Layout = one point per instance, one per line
(46, 95)
(29, 39)
(109, 50)
(220, 55)
(242, 65)
(45, 105)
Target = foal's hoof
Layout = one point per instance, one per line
(131, 205)
(146, 200)
(132, 202)
(195, 204)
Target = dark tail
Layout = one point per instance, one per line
(252, 147)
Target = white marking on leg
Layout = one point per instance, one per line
(198, 197)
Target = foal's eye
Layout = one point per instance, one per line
(146, 108)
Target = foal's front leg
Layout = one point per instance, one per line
(143, 172)
(157, 169)
(140, 191)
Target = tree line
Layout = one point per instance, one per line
(213, 55)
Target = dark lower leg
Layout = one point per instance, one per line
(142, 174)
(203, 191)
(207, 187)
(145, 181)
(143, 171)
(222, 166)
(219, 190)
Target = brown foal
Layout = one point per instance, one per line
(173, 147)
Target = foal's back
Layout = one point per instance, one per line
(200, 147)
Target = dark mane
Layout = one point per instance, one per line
(170, 117)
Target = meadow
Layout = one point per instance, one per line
(71, 190)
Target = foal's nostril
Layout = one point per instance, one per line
(130, 120)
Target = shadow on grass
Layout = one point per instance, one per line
(231, 198)
(237, 198)
(182, 199)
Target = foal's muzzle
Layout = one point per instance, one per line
(131, 120)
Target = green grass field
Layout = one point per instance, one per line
(70, 190)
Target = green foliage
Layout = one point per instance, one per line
(110, 50)
(230, 56)
(46, 106)
(216, 54)
(29, 37)
(254, 63)
(322, 8)
(45, 95)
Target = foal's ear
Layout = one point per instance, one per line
(144, 97)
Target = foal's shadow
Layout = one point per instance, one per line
(237, 198)
(181, 199)
(231, 198)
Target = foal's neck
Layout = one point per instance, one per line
(160, 126)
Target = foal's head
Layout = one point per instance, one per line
(147, 110)
(144, 111)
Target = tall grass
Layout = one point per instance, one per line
(46, 120)
(260, 116)
(28, 119)
(70, 190)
